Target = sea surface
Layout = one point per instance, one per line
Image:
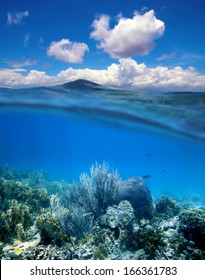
(65, 129)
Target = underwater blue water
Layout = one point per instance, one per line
(66, 143)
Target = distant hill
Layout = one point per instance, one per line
(82, 84)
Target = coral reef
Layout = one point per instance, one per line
(100, 252)
(167, 207)
(100, 217)
(50, 230)
(120, 216)
(15, 221)
(20, 191)
(192, 225)
(86, 200)
(40, 252)
(74, 219)
(148, 237)
(21, 203)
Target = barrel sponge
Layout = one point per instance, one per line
(136, 192)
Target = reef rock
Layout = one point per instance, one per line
(136, 192)
(121, 216)
(192, 225)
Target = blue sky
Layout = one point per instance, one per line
(144, 43)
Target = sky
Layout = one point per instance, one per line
(144, 44)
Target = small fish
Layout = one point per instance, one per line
(148, 155)
(146, 176)
(164, 170)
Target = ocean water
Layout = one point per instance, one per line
(63, 130)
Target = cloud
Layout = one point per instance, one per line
(18, 78)
(41, 43)
(16, 18)
(189, 58)
(26, 40)
(130, 36)
(20, 63)
(167, 56)
(38, 78)
(11, 77)
(125, 73)
(65, 50)
(129, 73)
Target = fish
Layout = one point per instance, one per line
(147, 176)
(164, 170)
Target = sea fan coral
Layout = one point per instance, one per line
(86, 200)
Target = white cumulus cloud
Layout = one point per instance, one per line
(68, 51)
(11, 77)
(130, 36)
(125, 73)
(19, 77)
(16, 18)
(38, 78)
(129, 73)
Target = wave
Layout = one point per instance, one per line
(179, 112)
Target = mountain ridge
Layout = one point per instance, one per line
(82, 84)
